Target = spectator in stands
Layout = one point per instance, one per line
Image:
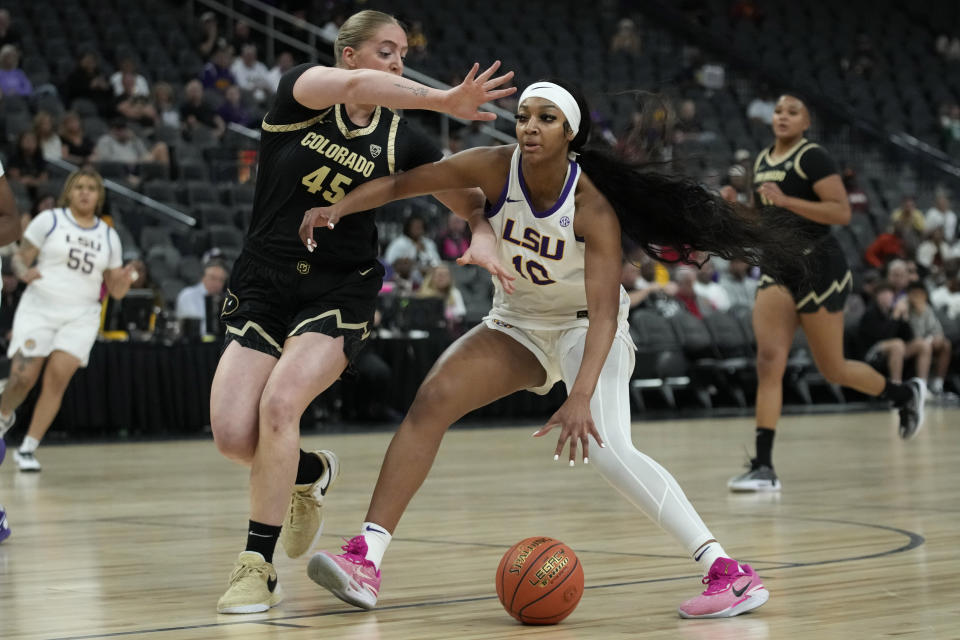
(740, 288)
(737, 188)
(216, 74)
(50, 144)
(192, 301)
(863, 59)
(413, 243)
(926, 327)
(643, 289)
(891, 244)
(402, 280)
(252, 76)
(898, 275)
(947, 295)
(686, 278)
(417, 41)
(472, 136)
(77, 147)
(707, 287)
(908, 210)
(232, 109)
(746, 10)
(760, 109)
(884, 331)
(454, 240)
(934, 252)
(687, 128)
(195, 112)
(950, 128)
(626, 39)
(13, 81)
(948, 47)
(941, 215)
(168, 112)
(132, 105)
(209, 38)
(88, 82)
(9, 34)
(283, 64)
(242, 36)
(137, 85)
(857, 197)
(121, 144)
(26, 164)
(439, 284)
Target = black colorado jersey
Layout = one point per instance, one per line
(795, 173)
(312, 158)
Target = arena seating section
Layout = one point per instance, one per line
(711, 361)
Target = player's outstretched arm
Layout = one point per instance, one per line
(320, 87)
(478, 167)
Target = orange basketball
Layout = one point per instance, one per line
(539, 581)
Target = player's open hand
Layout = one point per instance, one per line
(576, 425)
(770, 192)
(483, 252)
(30, 275)
(313, 218)
(463, 100)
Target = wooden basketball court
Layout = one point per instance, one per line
(137, 540)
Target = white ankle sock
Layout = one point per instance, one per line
(707, 553)
(377, 539)
(29, 445)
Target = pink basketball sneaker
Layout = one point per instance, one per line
(732, 589)
(349, 576)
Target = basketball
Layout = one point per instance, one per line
(539, 581)
(3, 450)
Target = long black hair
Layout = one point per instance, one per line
(660, 210)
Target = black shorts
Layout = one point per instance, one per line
(265, 304)
(825, 283)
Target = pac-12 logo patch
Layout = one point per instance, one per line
(375, 150)
(565, 221)
(789, 165)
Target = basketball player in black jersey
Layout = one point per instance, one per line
(295, 319)
(799, 175)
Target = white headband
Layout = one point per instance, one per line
(558, 96)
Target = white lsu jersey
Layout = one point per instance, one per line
(72, 258)
(545, 253)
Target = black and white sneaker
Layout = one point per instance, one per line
(759, 477)
(911, 413)
(26, 461)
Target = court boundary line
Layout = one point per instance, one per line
(914, 540)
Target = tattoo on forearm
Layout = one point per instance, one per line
(417, 91)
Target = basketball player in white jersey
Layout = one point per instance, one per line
(558, 219)
(66, 255)
(9, 232)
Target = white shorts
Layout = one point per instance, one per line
(40, 328)
(550, 346)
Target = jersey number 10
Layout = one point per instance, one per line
(314, 183)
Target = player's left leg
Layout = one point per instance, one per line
(732, 588)
(56, 376)
(310, 363)
(824, 330)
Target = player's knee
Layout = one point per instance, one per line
(435, 400)
(277, 413)
(771, 360)
(232, 443)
